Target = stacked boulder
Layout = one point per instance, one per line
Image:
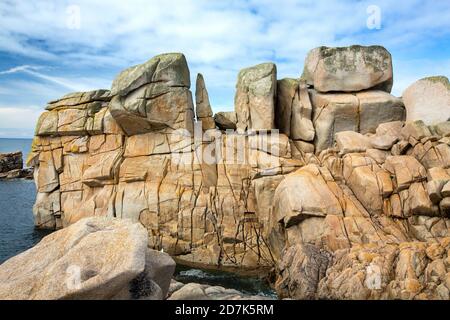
(320, 175)
(350, 91)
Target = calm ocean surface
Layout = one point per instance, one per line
(17, 232)
(11, 145)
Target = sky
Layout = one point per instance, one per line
(50, 48)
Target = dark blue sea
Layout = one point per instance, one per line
(17, 231)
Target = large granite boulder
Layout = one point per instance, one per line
(96, 258)
(351, 142)
(153, 96)
(428, 100)
(254, 101)
(349, 69)
(303, 194)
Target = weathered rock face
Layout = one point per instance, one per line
(428, 99)
(360, 112)
(293, 114)
(153, 96)
(255, 97)
(343, 177)
(308, 264)
(349, 69)
(96, 258)
(410, 270)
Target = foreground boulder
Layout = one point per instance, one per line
(360, 112)
(428, 100)
(96, 258)
(349, 69)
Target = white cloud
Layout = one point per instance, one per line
(217, 37)
(20, 117)
(232, 34)
(19, 69)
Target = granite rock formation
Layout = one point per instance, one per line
(323, 180)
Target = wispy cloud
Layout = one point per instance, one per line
(23, 68)
(32, 70)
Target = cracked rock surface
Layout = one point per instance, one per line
(346, 201)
